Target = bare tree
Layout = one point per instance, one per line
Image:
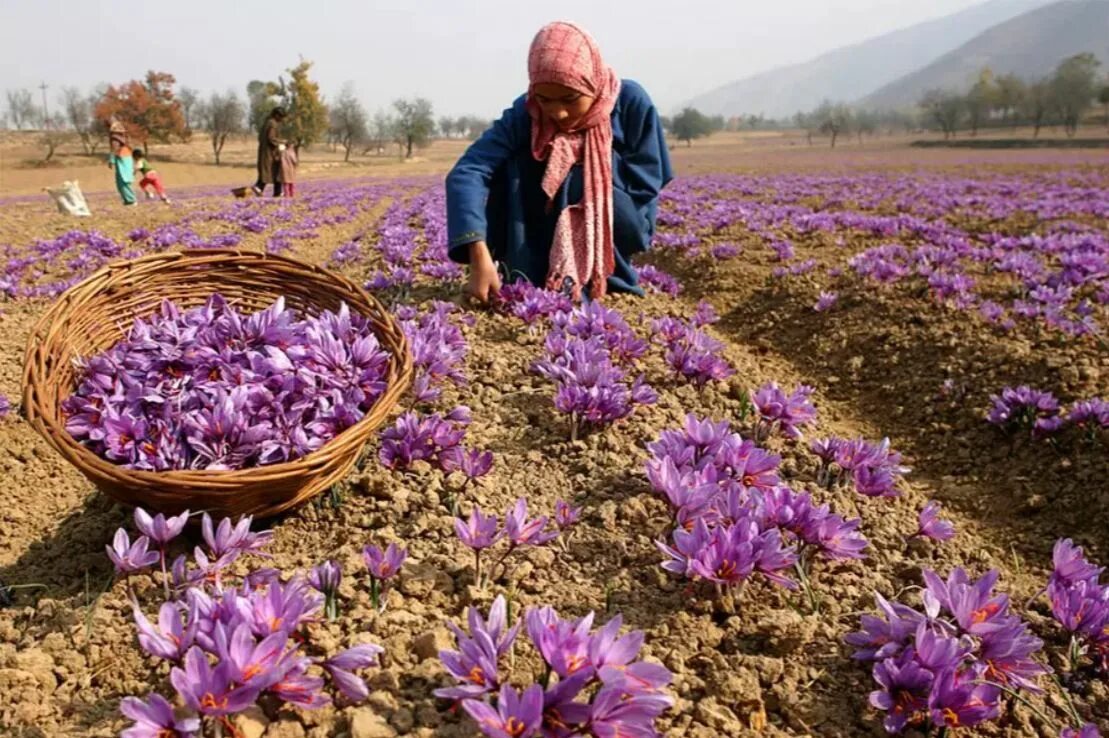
(1073, 88)
(223, 116)
(21, 108)
(348, 120)
(980, 100)
(1011, 91)
(833, 119)
(190, 100)
(77, 109)
(53, 135)
(1037, 105)
(380, 132)
(446, 126)
(415, 124)
(945, 109)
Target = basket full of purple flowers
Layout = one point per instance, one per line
(236, 382)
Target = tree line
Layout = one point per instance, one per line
(1062, 98)
(1065, 98)
(155, 110)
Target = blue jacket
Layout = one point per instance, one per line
(494, 192)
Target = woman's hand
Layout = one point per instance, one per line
(485, 283)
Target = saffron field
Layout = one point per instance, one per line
(843, 472)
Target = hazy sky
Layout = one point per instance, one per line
(467, 56)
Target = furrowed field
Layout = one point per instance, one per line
(802, 308)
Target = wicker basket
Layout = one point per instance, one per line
(96, 314)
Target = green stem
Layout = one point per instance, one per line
(1013, 693)
(375, 593)
(1067, 698)
(165, 575)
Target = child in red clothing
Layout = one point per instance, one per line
(150, 177)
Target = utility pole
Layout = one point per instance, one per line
(45, 110)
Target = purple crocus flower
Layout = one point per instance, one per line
(297, 687)
(523, 532)
(174, 634)
(128, 557)
(613, 713)
(250, 662)
(326, 577)
(160, 529)
(613, 657)
(563, 644)
(517, 715)
(209, 690)
(479, 531)
(384, 565)
(228, 540)
(474, 665)
(155, 719)
(473, 463)
(930, 525)
(904, 693)
(342, 666)
(5, 406)
(958, 700)
(1089, 730)
(566, 516)
(1070, 565)
(825, 301)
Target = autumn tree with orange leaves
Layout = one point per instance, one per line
(149, 109)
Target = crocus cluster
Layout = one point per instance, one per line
(231, 644)
(1080, 604)
(691, 353)
(594, 320)
(873, 468)
(1027, 409)
(480, 531)
(435, 438)
(948, 666)
(656, 280)
(780, 412)
(438, 348)
(584, 352)
(733, 516)
(592, 685)
(529, 303)
(212, 388)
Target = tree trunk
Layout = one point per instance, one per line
(689, 143)
(834, 135)
(1036, 129)
(348, 147)
(408, 150)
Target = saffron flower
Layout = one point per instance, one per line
(155, 718)
(931, 526)
(128, 557)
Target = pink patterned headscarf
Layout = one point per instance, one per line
(582, 249)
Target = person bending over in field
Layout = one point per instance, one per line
(120, 160)
(563, 189)
(150, 177)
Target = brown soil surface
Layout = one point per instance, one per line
(68, 651)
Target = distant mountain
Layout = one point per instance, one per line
(1029, 45)
(851, 72)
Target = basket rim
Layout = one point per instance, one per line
(210, 481)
